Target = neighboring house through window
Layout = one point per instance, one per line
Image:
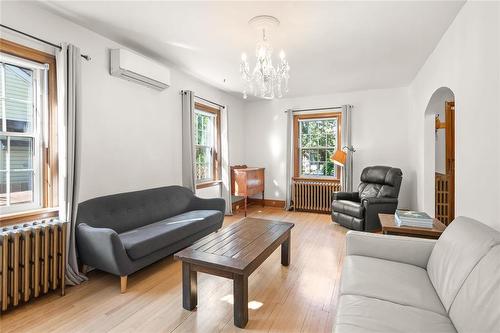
(28, 164)
(316, 137)
(207, 142)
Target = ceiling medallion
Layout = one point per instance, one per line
(265, 80)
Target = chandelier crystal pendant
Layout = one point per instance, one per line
(265, 80)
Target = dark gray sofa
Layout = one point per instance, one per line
(125, 232)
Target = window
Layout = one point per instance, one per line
(28, 164)
(206, 143)
(317, 136)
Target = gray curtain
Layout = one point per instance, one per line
(225, 168)
(188, 152)
(68, 100)
(347, 172)
(289, 159)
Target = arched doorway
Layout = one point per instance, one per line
(439, 154)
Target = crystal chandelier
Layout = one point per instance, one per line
(265, 80)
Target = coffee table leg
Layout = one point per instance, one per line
(285, 252)
(189, 287)
(240, 292)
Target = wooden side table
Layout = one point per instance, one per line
(389, 227)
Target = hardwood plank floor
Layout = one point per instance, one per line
(298, 298)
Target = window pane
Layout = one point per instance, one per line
(203, 163)
(204, 130)
(21, 153)
(330, 169)
(19, 115)
(3, 188)
(3, 152)
(18, 98)
(21, 187)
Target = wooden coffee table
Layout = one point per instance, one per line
(234, 253)
(390, 227)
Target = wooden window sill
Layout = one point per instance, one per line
(208, 184)
(35, 214)
(318, 179)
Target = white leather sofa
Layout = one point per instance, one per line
(403, 284)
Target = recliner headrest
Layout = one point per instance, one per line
(383, 175)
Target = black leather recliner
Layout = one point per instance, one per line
(377, 193)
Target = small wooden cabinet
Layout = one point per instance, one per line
(246, 182)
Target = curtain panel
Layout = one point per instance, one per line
(188, 150)
(347, 174)
(289, 159)
(68, 65)
(225, 168)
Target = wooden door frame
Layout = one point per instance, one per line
(450, 154)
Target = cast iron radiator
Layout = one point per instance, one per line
(313, 195)
(32, 261)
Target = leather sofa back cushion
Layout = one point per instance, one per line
(131, 210)
(477, 305)
(459, 249)
(380, 182)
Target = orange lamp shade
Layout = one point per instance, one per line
(339, 157)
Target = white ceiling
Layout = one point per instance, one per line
(331, 46)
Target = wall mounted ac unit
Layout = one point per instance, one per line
(133, 67)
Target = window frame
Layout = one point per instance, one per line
(216, 179)
(35, 133)
(47, 147)
(296, 143)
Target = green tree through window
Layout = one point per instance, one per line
(317, 142)
(204, 144)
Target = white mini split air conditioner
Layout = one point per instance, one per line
(133, 67)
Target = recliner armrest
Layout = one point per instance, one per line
(351, 196)
(408, 250)
(212, 203)
(102, 248)
(375, 201)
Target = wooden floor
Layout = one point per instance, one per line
(298, 298)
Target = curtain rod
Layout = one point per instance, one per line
(84, 56)
(208, 101)
(316, 109)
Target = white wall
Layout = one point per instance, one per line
(379, 134)
(467, 60)
(131, 135)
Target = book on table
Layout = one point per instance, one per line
(413, 219)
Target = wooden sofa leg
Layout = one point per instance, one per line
(123, 284)
(85, 269)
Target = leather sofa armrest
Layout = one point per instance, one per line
(212, 203)
(102, 248)
(351, 196)
(408, 250)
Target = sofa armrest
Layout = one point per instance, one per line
(212, 203)
(408, 250)
(102, 248)
(351, 196)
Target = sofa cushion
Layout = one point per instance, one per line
(364, 314)
(153, 237)
(477, 305)
(391, 281)
(350, 208)
(461, 246)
